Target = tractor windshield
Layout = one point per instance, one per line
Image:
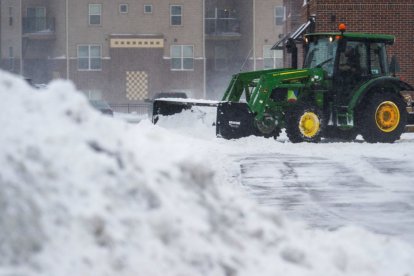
(321, 53)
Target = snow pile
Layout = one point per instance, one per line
(199, 122)
(84, 194)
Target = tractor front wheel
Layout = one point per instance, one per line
(304, 123)
(383, 118)
(268, 127)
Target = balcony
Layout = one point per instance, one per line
(39, 27)
(222, 24)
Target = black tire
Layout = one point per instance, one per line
(382, 118)
(276, 132)
(304, 123)
(267, 128)
(340, 134)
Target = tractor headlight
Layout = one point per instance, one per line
(316, 78)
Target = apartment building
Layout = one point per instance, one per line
(126, 51)
(370, 16)
(238, 37)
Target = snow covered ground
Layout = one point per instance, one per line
(86, 194)
(327, 185)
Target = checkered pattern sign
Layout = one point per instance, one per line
(136, 85)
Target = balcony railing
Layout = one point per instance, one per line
(222, 26)
(34, 25)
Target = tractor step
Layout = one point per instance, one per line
(409, 128)
(410, 120)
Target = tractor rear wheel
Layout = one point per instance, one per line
(304, 123)
(383, 118)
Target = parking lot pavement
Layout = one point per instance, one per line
(329, 194)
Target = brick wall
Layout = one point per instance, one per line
(372, 16)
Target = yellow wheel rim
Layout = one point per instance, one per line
(387, 116)
(309, 124)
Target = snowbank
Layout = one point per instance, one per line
(84, 194)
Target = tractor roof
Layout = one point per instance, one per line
(389, 39)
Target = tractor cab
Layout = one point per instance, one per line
(348, 59)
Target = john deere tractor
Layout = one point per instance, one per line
(346, 88)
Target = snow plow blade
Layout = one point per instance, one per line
(168, 107)
(234, 120)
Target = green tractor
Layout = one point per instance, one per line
(346, 88)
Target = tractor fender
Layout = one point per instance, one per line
(390, 84)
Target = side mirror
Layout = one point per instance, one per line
(394, 65)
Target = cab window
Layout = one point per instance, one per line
(353, 60)
(378, 59)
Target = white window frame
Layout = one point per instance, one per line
(275, 56)
(276, 16)
(176, 15)
(181, 58)
(89, 57)
(126, 7)
(94, 14)
(145, 8)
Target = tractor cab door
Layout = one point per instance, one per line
(357, 62)
(351, 71)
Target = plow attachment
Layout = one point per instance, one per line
(233, 120)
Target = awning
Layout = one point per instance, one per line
(281, 43)
(295, 35)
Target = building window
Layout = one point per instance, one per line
(10, 16)
(279, 15)
(176, 15)
(11, 59)
(95, 13)
(123, 8)
(182, 57)
(94, 95)
(89, 58)
(36, 17)
(272, 58)
(147, 8)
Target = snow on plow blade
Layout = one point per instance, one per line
(234, 120)
(168, 107)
